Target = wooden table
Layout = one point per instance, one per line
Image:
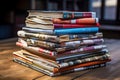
(10, 70)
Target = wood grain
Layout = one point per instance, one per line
(13, 71)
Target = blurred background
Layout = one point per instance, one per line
(14, 12)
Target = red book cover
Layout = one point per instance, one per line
(75, 21)
(74, 25)
(81, 65)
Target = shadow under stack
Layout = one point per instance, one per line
(61, 42)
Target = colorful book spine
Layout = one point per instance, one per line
(66, 58)
(73, 15)
(82, 42)
(71, 36)
(54, 56)
(28, 57)
(85, 36)
(57, 70)
(34, 42)
(39, 36)
(76, 30)
(52, 69)
(81, 21)
(63, 64)
(81, 69)
(34, 67)
(79, 61)
(37, 49)
(59, 47)
(67, 31)
(63, 38)
(65, 26)
(86, 49)
(81, 65)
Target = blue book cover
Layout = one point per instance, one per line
(76, 30)
(63, 31)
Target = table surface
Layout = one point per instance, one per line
(10, 70)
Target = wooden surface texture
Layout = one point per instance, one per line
(10, 70)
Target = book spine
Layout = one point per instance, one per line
(33, 42)
(39, 36)
(86, 49)
(81, 21)
(92, 41)
(79, 61)
(36, 52)
(71, 45)
(59, 73)
(85, 36)
(37, 49)
(82, 42)
(72, 15)
(80, 56)
(73, 37)
(54, 46)
(81, 65)
(36, 30)
(63, 38)
(76, 30)
(80, 69)
(59, 26)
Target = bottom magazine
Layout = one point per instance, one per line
(34, 67)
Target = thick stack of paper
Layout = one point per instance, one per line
(60, 42)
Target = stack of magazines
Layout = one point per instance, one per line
(61, 42)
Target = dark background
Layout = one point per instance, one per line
(13, 14)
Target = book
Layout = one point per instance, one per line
(81, 21)
(76, 30)
(33, 59)
(63, 59)
(34, 67)
(51, 32)
(58, 26)
(60, 14)
(62, 26)
(86, 49)
(84, 21)
(57, 70)
(69, 63)
(81, 65)
(69, 57)
(53, 55)
(51, 38)
(61, 47)
(67, 37)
